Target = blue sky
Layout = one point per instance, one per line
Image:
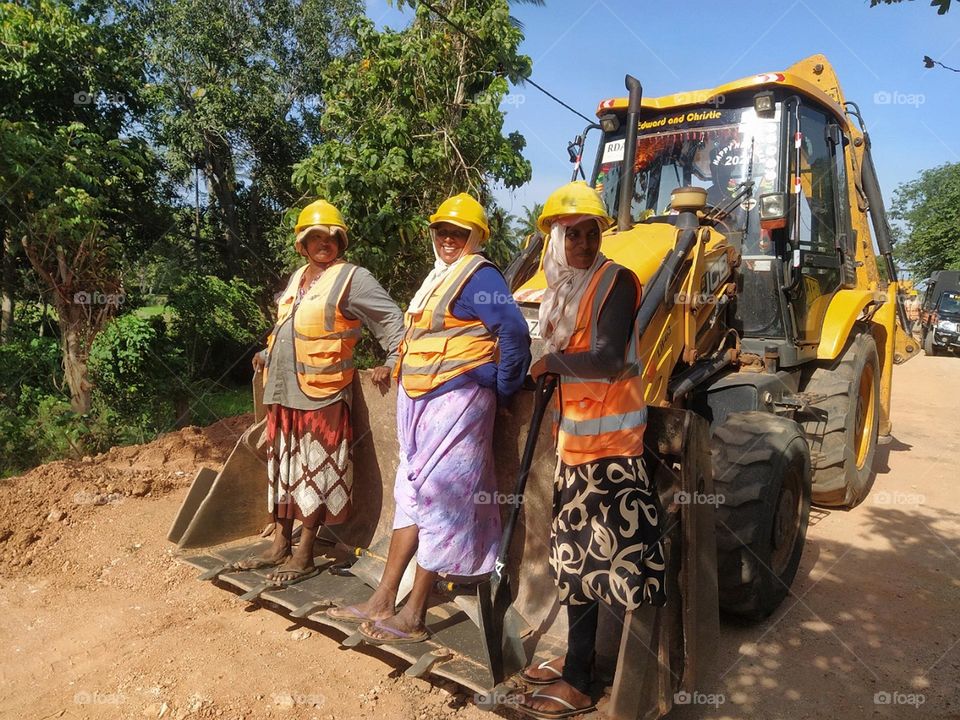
(581, 51)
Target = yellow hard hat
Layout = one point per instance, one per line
(319, 212)
(463, 211)
(575, 198)
(321, 215)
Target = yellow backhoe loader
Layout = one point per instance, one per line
(768, 342)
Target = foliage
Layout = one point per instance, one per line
(77, 191)
(234, 89)
(942, 5)
(411, 117)
(929, 210)
(133, 365)
(217, 325)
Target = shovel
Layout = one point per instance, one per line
(495, 595)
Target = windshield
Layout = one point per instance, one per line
(950, 303)
(710, 148)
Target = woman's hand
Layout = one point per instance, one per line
(258, 362)
(538, 368)
(381, 377)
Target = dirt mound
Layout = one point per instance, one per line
(38, 506)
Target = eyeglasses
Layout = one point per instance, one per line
(452, 232)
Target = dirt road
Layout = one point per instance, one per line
(97, 619)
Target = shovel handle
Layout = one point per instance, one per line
(545, 387)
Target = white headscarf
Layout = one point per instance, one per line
(441, 269)
(565, 286)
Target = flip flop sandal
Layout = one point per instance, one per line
(545, 665)
(300, 576)
(255, 563)
(400, 637)
(356, 616)
(570, 709)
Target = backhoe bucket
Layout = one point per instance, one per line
(658, 651)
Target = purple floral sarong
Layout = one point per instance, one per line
(445, 481)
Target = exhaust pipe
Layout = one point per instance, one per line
(624, 220)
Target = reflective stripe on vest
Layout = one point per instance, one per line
(438, 346)
(601, 417)
(323, 337)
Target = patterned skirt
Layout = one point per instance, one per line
(309, 476)
(605, 537)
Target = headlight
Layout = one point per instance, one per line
(947, 326)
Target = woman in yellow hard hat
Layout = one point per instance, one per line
(308, 371)
(605, 544)
(466, 344)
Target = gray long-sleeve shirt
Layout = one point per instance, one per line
(364, 300)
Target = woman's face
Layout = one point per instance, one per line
(450, 241)
(581, 243)
(321, 249)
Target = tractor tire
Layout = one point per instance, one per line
(761, 471)
(928, 347)
(843, 431)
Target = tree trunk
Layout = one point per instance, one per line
(221, 180)
(7, 285)
(76, 352)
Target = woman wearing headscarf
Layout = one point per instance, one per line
(307, 382)
(466, 345)
(605, 544)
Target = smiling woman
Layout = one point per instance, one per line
(308, 371)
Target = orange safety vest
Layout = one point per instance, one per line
(323, 337)
(606, 417)
(438, 346)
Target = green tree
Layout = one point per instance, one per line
(411, 117)
(78, 190)
(928, 209)
(235, 90)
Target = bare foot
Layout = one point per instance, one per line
(378, 607)
(401, 622)
(561, 690)
(291, 570)
(278, 553)
(549, 671)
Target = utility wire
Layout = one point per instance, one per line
(526, 78)
(929, 62)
